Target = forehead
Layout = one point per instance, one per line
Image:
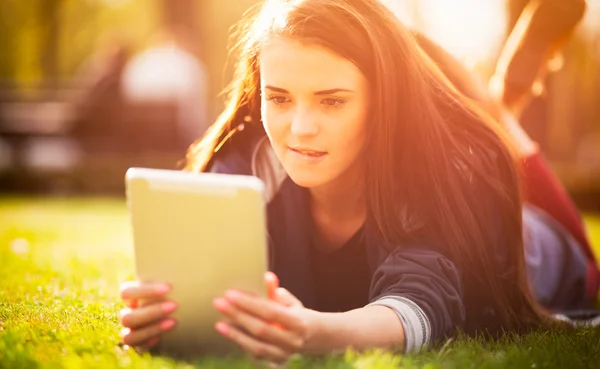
(292, 64)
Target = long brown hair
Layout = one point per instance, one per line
(439, 171)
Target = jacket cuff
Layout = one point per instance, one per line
(417, 329)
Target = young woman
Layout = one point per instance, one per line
(395, 216)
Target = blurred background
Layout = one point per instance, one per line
(89, 88)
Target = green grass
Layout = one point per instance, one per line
(60, 265)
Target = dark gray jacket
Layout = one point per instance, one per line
(418, 282)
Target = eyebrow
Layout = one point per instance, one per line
(322, 92)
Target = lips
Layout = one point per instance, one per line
(308, 152)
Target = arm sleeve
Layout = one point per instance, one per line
(424, 289)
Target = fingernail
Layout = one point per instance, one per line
(169, 306)
(167, 324)
(233, 295)
(162, 289)
(222, 328)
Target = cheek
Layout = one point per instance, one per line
(270, 122)
(276, 126)
(351, 149)
(353, 135)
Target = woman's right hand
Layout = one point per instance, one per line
(146, 315)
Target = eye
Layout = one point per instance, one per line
(278, 99)
(333, 102)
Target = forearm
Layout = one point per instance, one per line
(360, 329)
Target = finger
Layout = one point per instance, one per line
(135, 304)
(266, 310)
(148, 345)
(145, 315)
(152, 301)
(138, 336)
(260, 329)
(131, 303)
(135, 290)
(251, 345)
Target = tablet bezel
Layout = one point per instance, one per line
(238, 197)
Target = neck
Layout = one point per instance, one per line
(340, 201)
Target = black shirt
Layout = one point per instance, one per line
(342, 277)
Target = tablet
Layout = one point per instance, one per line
(203, 233)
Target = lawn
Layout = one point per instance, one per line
(60, 265)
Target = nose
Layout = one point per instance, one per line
(304, 123)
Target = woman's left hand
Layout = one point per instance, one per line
(268, 329)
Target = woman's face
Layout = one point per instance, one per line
(314, 110)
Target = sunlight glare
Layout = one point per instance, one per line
(471, 30)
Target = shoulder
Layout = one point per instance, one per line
(248, 151)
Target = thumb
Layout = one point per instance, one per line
(277, 293)
(272, 283)
(286, 298)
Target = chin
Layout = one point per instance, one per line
(305, 179)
